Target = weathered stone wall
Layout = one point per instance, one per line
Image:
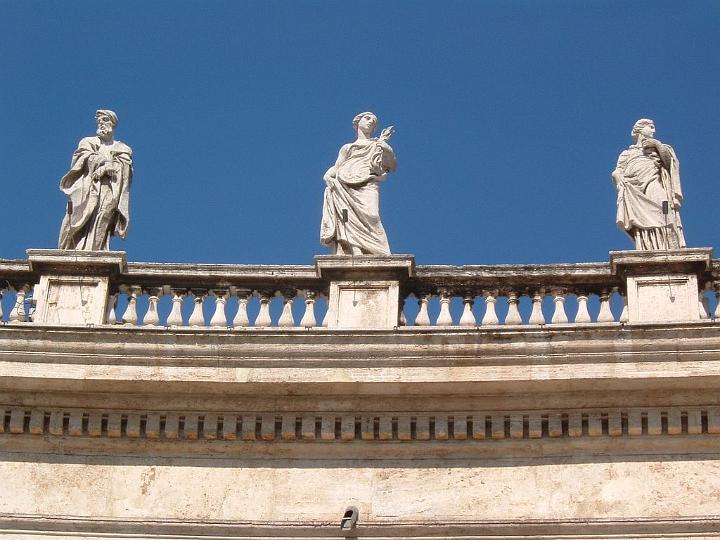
(387, 493)
(568, 430)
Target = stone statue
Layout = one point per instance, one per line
(649, 196)
(351, 212)
(98, 189)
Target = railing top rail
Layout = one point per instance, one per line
(482, 270)
(219, 275)
(146, 273)
(14, 265)
(516, 265)
(264, 269)
(15, 271)
(588, 274)
(517, 275)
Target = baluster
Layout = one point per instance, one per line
(32, 305)
(444, 319)
(624, 314)
(286, 317)
(152, 318)
(241, 317)
(175, 317)
(130, 317)
(423, 318)
(263, 319)
(513, 314)
(308, 318)
(717, 300)
(219, 320)
(1, 306)
(197, 318)
(536, 316)
(324, 321)
(402, 320)
(17, 314)
(583, 315)
(605, 314)
(468, 317)
(120, 317)
(110, 316)
(490, 317)
(703, 304)
(559, 315)
(708, 294)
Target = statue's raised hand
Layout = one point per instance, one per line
(386, 133)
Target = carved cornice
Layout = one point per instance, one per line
(367, 427)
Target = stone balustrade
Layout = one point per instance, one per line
(300, 296)
(514, 295)
(216, 296)
(250, 302)
(216, 307)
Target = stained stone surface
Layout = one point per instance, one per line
(364, 290)
(662, 286)
(74, 284)
(297, 491)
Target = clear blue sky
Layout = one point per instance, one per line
(509, 118)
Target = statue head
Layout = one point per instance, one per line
(366, 122)
(644, 126)
(106, 122)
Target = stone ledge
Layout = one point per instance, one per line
(409, 346)
(450, 528)
(341, 362)
(399, 333)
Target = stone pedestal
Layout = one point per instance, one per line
(73, 288)
(364, 290)
(662, 286)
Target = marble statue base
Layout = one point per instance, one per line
(364, 290)
(73, 287)
(662, 286)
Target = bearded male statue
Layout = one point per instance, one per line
(98, 189)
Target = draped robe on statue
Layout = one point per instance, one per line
(643, 185)
(353, 185)
(97, 209)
